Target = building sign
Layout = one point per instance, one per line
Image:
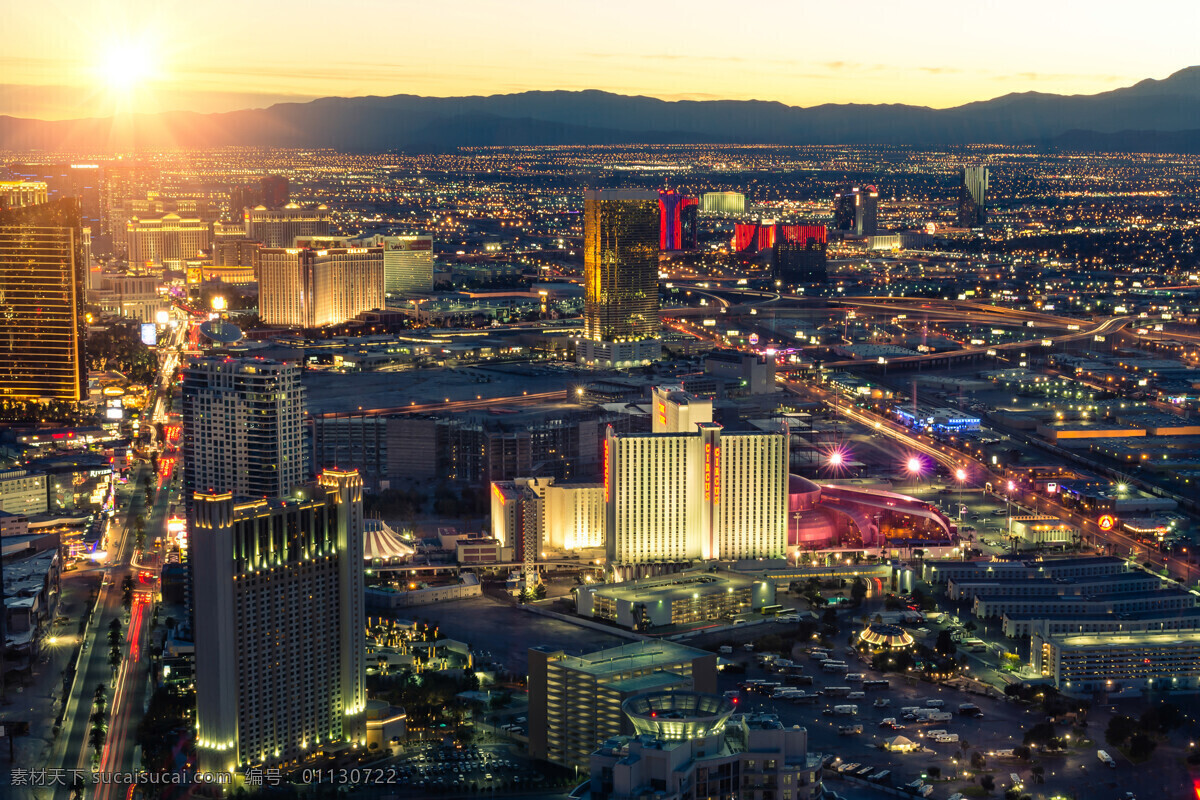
(1107, 522)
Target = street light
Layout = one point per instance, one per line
(960, 475)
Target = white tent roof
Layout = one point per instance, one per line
(381, 543)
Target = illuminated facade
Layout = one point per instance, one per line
(972, 197)
(279, 227)
(280, 653)
(18, 194)
(533, 514)
(42, 274)
(856, 210)
(707, 494)
(243, 427)
(407, 262)
(324, 283)
(676, 411)
(726, 203)
(166, 241)
(620, 316)
(677, 220)
(800, 254)
(1089, 662)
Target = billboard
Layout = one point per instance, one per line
(149, 334)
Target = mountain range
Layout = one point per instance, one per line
(1152, 115)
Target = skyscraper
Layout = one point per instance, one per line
(270, 192)
(620, 256)
(677, 220)
(243, 427)
(279, 227)
(856, 210)
(280, 649)
(323, 281)
(800, 254)
(407, 262)
(42, 274)
(972, 197)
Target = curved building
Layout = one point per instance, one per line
(677, 716)
(827, 516)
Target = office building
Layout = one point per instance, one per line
(322, 281)
(575, 700)
(279, 227)
(677, 220)
(856, 211)
(972, 197)
(407, 262)
(729, 204)
(243, 427)
(707, 494)
(689, 745)
(800, 255)
(744, 373)
(280, 643)
(167, 241)
(18, 194)
(42, 279)
(1089, 662)
(620, 253)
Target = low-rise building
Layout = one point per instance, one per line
(1089, 662)
(986, 606)
(680, 599)
(1132, 622)
(1120, 583)
(941, 571)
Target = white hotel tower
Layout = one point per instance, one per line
(691, 491)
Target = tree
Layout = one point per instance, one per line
(1042, 733)
(945, 643)
(978, 762)
(988, 783)
(1012, 793)
(858, 592)
(539, 591)
(1039, 773)
(1141, 746)
(934, 772)
(114, 631)
(1162, 718)
(1120, 729)
(1022, 752)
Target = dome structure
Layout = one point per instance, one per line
(886, 637)
(677, 716)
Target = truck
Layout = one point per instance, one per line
(849, 730)
(882, 702)
(934, 703)
(1106, 758)
(835, 666)
(845, 711)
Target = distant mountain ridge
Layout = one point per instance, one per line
(1161, 112)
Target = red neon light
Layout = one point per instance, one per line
(708, 477)
(499, 495)
(606, 480)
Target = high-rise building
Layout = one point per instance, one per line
(972, 197)
(279, 227)
(677, 220)
(729, 204)
(230, 247)
(270, 192)
(575, 700)
(167, 241)
(708, 494)
(752, 238)
(280, 644)
(800, 254)
(620, 253)
(274, 190)
(323, 281)
(407, 262)
(42, 280)
(856, 210)
(676, 411)
(243, 427)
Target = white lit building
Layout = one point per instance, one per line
(676, 411)
(695, 496)
(167, 241)
(280, 648)
(407, 262)
(730, 204)
(1088, 662)
(323, 282)
(554, 516)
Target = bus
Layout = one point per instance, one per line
(876, 684)
(771, 611)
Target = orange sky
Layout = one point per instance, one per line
(221, 55)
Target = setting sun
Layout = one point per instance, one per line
(125, 66)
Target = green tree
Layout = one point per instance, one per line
(1141, 746)
(988, 783)
(978, 762)
(1120, 729)
(114, 631)
(945, 643)
(1162, 718)
(858, 592)
(1042, 734)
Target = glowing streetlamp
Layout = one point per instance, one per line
(960, 475)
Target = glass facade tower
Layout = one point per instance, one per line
(620, 251)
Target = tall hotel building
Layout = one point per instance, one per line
(280, 646)
(856, 211)
(243, 427)
(690, 490)
(620, 257)
(42, 273)
(323, 281)
(677, 220)
(972, 197)
(279, 227)
(729, 204)
(167, 241)
(407, 262)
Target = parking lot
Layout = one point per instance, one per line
(437, 769)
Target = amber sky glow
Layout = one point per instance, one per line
(216, 55)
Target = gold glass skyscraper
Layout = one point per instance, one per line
(42, 271)
(620, 257)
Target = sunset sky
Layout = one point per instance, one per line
(70, 58)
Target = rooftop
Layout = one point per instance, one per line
(636, 655)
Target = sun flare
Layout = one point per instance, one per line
(126, 66)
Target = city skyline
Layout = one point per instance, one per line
(140, 62)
